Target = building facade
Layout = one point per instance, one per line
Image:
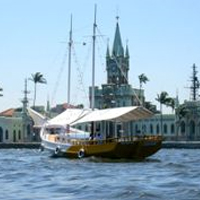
(117, 92)
(13, 128)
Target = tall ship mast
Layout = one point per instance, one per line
(93, 58)
(69, 63)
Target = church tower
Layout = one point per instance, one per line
(117, 64)
(117, 91)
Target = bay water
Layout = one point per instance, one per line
(29, 174)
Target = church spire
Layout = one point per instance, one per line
(108, 51)
(118, 49)
(127, 51)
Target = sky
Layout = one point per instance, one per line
(163, 37)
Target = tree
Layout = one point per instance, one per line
(142, 80)
(170, 102)
(37, 78)
(162, 98)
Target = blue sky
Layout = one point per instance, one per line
(163, 39)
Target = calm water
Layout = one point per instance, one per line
(30, 174)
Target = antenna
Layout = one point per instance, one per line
(25, 99)
(195, 84)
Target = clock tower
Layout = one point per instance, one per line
(117, 91)
(117, 63)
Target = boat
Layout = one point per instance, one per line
(61, 139)
(61, 136)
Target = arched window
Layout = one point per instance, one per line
(182, 127)
(28, 128)
(1, 134)
(192, 130)
(172, 129)
(192, 127)
(198, 129)
(151, 128)
(157, 129)
(165, 128)
(7, 135)
(14, 136)
(144, 129)
(19, 135)
(137, 130)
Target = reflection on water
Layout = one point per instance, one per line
(31, 174)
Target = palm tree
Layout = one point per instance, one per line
(170, 102)
(181, 112)
(162, 98)
(37, 78)
(142, 79)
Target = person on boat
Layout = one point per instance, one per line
(99, 138)
(91, 136)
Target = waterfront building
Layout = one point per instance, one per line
(188, 113)
(15, 124)
(117, 92)
(12, 128)
(188, 120)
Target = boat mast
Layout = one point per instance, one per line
(69, 62)
(93, 57)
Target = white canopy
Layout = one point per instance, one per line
(76, 116)
(120, 114)
(69, 116)
(38, 119)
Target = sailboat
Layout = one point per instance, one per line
(59, 136)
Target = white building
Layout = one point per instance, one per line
(13, 128)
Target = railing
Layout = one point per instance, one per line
(96, 141)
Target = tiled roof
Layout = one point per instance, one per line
(8, 112)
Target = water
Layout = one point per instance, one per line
(30, 174)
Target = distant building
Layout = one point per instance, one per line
(188, 113)
(15, 124)
(188, 120)
(117, 91)
(12, 128)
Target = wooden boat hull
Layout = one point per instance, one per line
(129, 148)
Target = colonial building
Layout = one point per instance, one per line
(117, 91)
(15, 124)
(13, 128)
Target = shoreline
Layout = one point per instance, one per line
(165, 145)
(20, 145)
(181, 144)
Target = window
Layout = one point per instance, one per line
(172, 128)
(19, 135)
(165, 128)
(14, 136)
(1, 134)
(182, 127)
(157, 129)
(7, 135)
(151, 128)
(144, 129)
